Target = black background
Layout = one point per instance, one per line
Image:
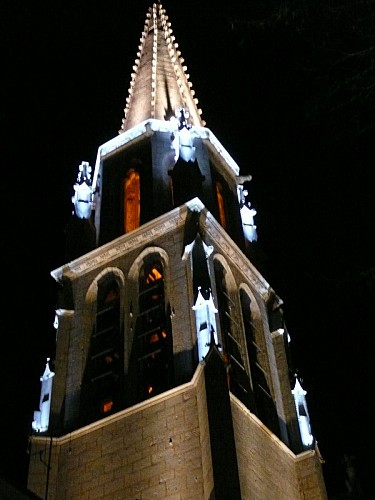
(288, 89)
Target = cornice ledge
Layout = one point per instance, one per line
(183, 389)
(148, 128)
(137, 238)
(215, 145)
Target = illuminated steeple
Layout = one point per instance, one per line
(164, 155)
(159, 82)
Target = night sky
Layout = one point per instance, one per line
(288, 90)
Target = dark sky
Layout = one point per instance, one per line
(288, 90)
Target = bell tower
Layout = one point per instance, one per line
(168, 163)
(172, 375)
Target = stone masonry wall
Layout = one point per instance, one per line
(157, 449)
(267, 468)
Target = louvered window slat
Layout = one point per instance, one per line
(150, 288)
(256, 346)
(237, 362)
(150, 309)
(227, 296)
(101, 376)
(152, 330)
(157, 351)
(231, 318)
(265, 391)
(234, 340)
(261, 369)
(104, 310)
(104, 331)
(101, 353)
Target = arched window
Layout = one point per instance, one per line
(238, 379)
(132, 201)
(104, 370)
(265, 406)
(221, 204)
(153, 333)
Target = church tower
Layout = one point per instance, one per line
(171, 376)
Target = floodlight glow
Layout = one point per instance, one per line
(41, 416)
(302, 414)
(83, 192)
(205, 311)
(247, 215)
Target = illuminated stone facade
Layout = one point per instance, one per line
(172, 370)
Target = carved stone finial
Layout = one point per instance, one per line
(82, 198)
(182, 116)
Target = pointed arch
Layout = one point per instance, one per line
(104, 368)
(152, 346)
(187, 181)
(231, 332)
(256, 349)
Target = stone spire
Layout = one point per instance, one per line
(159, 83)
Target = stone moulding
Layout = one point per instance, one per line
(147, 233)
